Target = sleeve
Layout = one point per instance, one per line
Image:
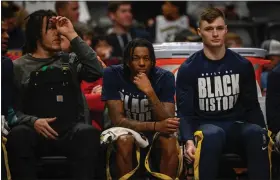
(110, 89)
(249, 97)
(168, 88)
(185, 102)
(273, 102)
(88, 66)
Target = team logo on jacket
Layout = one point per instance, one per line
(136, 106)
(218, 91)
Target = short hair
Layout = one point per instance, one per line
(113, 6)
(130, 47)
(33, 31)
(82, 29)
(233, 36)
(59, 5)
(97, 39)
(210, 14)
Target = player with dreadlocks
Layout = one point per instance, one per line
(140, 96)
(50, 111)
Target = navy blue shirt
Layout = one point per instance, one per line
(118, 86)
(273, 100)
(220, 90)
(7, 85)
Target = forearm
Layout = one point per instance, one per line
(186, 129)
(158, 108)
(91, 68)
(135, 125)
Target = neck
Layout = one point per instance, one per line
(42, 53)
(215, 53)
(118, 29)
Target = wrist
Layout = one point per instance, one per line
(149, 92)
(71, 35)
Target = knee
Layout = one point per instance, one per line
(253, 131)
(213, 137)
(87, 131)
(20, 139)
(168, 146)
(20, 133)
(125, 145)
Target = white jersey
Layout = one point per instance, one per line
(166, 30)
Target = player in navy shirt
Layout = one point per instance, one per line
(273, 105)
(140, 96)
(217, 100)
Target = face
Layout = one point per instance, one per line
(213, 34)
(232, 43)
(12, 22)
(50, 37)
(141, 61)
(103, 49)
(71, 11)
(123, 15)
(65, 44)
(4, 37)
(169, 10)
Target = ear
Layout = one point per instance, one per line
(226, 29)
(199, 32)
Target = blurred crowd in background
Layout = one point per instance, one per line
(107, 26)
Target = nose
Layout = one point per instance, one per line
(215, 33)
(6, 35)
(141, 62)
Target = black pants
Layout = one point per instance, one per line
(80, 145)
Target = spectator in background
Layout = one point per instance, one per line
(85, 32)
(187, 36)
(233, 40)
(233, 10)
(273, 54)
(122, 31)
(16, 34)
(69, 9)
(104, 50)
(172, 20)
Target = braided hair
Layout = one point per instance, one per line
(33, 31)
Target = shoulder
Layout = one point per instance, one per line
(237, 57)
(114, 70)
(140, 33)
(192, 62)
(276, 69)
(21, 60)
(160, 73)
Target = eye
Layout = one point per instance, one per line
(135, 58)
(220, 28)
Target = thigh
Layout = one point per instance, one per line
(212, 133)
(79, 140)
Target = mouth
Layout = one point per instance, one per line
(142, 70)
(4, 45)
(216, 40)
